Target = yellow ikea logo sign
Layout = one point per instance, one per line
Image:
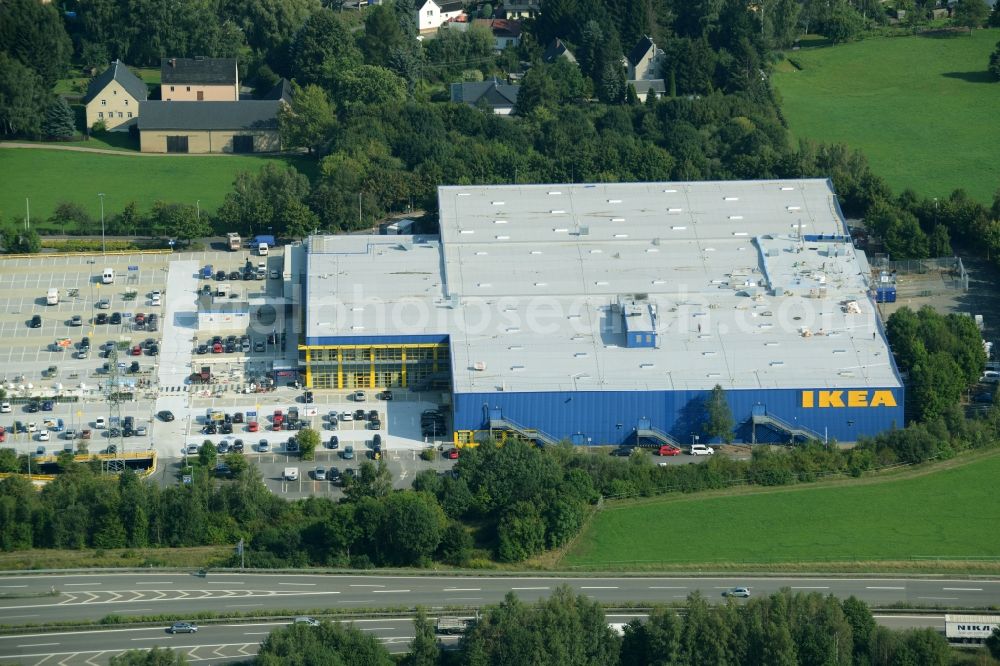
(848, 399)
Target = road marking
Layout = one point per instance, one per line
(13, 586)
(307, 584)
(138, 610)
(462, 589)
(156, 582)
(77, 584)
(154, 638)
(599, 587)
(963, 589)
(256, 633)
(37, 644)
(372, 586)
(810, 587)
(529, 588)
(243, 605)
(665, 587)
(389, 591)
(884, 588)
(13, 616)
(940, 598)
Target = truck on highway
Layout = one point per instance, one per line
(234, 240)
(969, 628)
(453, 625)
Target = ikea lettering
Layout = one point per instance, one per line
(850, 398)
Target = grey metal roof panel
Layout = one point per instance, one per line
(494, 92)
(117, 72)
(242, 115)
(207, 71)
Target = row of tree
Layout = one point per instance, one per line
(572, 630)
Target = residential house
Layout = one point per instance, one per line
(113, 97)
(555, 50)
(493, 95)
(281, 90)
(432, 15)
(505, 32)
(199, 79)
(644, 60)
(519, 9)
(643, 86)
(249, 126)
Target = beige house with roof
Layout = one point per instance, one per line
(199, 80)
(113, 98)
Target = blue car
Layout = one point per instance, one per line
(47, 406)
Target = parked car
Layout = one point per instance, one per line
(333, 443)
(36, 321)
(263, 446)
(5, 408)
(116, 318)
(701, 450)
(76, 320)
(140, 431)
(347, 453)
(47, 405)
(166, 415)
(100, 423)
(384, 395)
(320, 474)
(292, 445)
(101, 318)
(451, 454)
(238, 446)
(103, 304)
(668, 450)
(253, 426)
(359, 396)
(43, 436)
(291, 474)
(623, 451)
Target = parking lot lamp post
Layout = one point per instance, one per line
(104, 246)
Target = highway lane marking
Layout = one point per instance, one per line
(884, 588)
(940, 598)
(598, 587)
(155, 582)
(13, 586)
(909, 617)
(13, 616)
(665, 587)
(77, 584)
(962, 589)
(389, 591)
(256, 633)
(243, 605)
(529, 588)
(309, 584)
(138, 610)
(36, 644)
(462, 589)
(359, 585)
(154, 638)
(358, 601)
(810, 587)
(463, 598)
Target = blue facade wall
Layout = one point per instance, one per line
(593, 417)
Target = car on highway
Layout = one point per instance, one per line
(308, 621)
(183, 628)
(740, 592)
(165, 415)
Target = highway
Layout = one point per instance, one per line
(92, 596)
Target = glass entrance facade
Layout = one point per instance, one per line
(413, 366)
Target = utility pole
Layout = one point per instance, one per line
(113, 395)
(104, 245)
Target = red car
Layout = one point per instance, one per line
(3, 434)
(252, 426)
(137, 350)
(668, 450)
(140, 318)
(451, 454)
(217, 348)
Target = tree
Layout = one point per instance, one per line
(33, 33)
(371, 481)
(842, 22)
(369, 85)
(22, 98)
(537, 90)
(59, 123)
(521, 533)
(330, 644)
(323, 49)
(308, 121)
(156, 657)
(127, 222)
(994, 20)
(308, 441)
(263, 200)
(180, 221)
(74, 215)
(383, 34)
(207, 455)
(993, 643)
(720, 417)
(994, 66)
(456, 544)
(411, 528)
(423, 648)
(970, 13)
(20, 241)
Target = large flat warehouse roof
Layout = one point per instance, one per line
(747, 284)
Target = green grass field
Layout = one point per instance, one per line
(48, 177)
(921, 108)
(946, 513)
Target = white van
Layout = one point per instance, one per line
(108, 277)
(262, 249)
(52, 297)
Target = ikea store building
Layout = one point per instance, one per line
(606, 313)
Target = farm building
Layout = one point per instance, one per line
(606, 313)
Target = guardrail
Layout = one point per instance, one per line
(95, 253)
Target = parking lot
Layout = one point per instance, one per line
(45, 362)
